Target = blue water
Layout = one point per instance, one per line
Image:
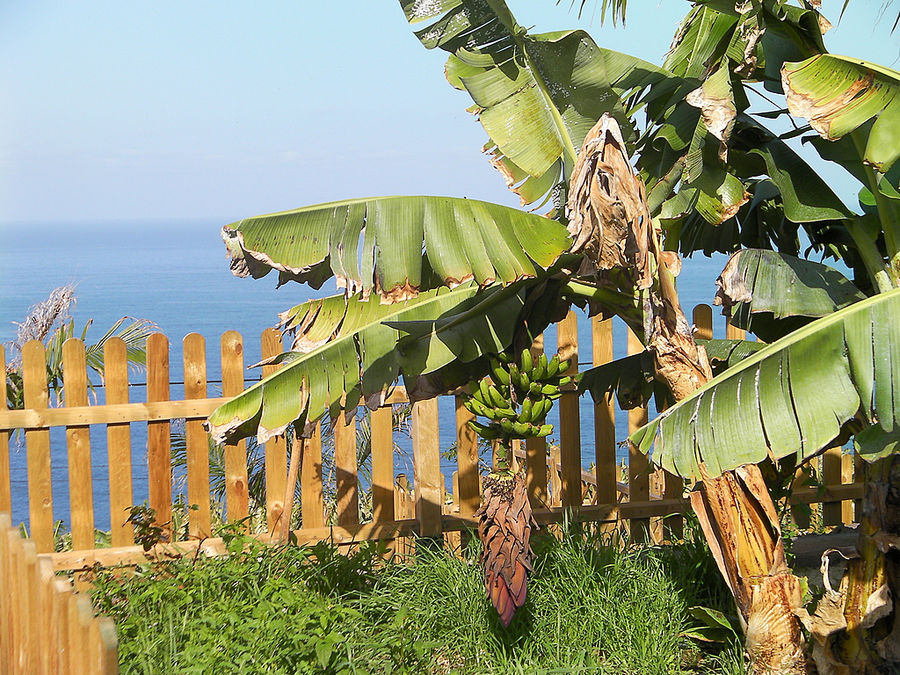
(176, 274)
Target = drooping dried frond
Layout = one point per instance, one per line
(607, 207)
(504, 527)
(41, 319)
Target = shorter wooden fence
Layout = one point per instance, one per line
(45, 626)
(557, 480)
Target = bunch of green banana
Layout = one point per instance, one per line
(518, 396)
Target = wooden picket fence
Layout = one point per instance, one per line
(557, 481)
(45, 626)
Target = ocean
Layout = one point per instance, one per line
(176, 274)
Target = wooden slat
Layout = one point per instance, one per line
(569, 418)
(5, 489)
(109, 646)
(284, 525)
(275, 449)
(345, 473)
(37, 442)
(734, 333)
(638, 464)
(555, 478)
(74, 631)
(63, 589)
(109, 414)
(536, 454)
(48, 629)
(197, 441)
(127, 412)
(702, 318)
(118, 442)
(604, 417)
(312, 503)
(382, 439)
(427, 463)
(831, 475)
(159, 463)
(27, 588)
(237, 495)
(83, 606)
(847, 477)
(78, 441)
(5, 593)
(468, 494)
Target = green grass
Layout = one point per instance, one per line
(591, 608)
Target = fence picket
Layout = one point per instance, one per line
(37, 443)
(78, 440)
(604, 417)
(427, 464)
(569, 422)
(118, 441)
(312, 501)
(638, 463)
(5, 595)
(5, 488)
(159, 461)
(702, 317)
(196, 438)
(237, 495)
(345, 470)
(276, 448)
(382, 439)
(468, 492)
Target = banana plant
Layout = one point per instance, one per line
(563, 115)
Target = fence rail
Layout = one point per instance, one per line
(45, 626)
(556, 479)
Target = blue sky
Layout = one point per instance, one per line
(120, 110)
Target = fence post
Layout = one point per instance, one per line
(159, 470)
(569, 422)
(78, 440)
(6, 610)
(276, 448)
(196, 438)
(604, 417)
(312, 502)
(469, 492)
(381, 426)
(638, 463)
(118, 441)
(37, 443)
(427, 463)
(346, 479)
(237, 495)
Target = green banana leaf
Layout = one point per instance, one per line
(377, 244)
(773, 294)
(839, 94)
(724, 354)
(350, 351)
(791, 397)
(536, 96)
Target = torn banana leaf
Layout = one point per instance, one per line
(536, 96)
(377, 244)
(724, 354)
(773, 294)
(790, 397)
(838, 94)
(352, 351)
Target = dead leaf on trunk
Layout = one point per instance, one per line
(607, 207)
(505, 522)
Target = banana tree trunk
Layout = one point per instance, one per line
(855, 629)
(609, 218)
